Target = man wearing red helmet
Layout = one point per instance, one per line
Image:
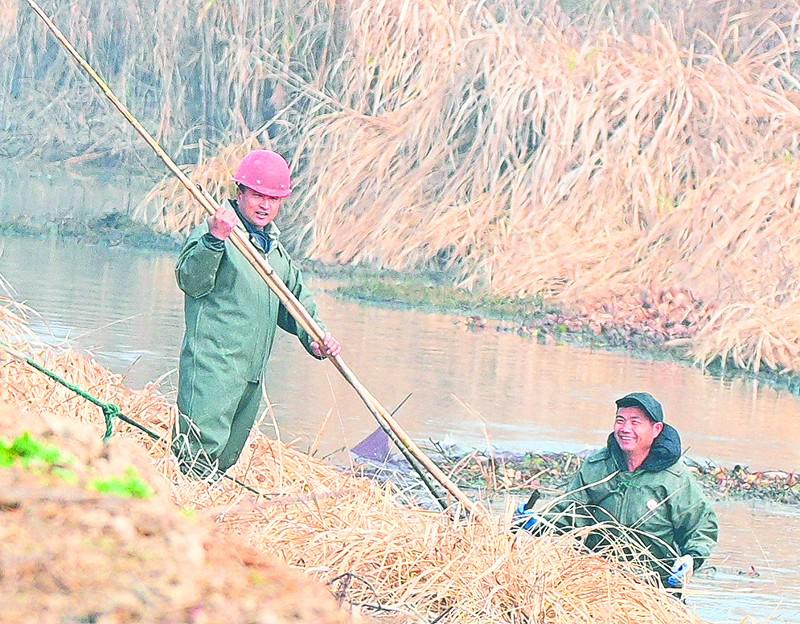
(231, 319)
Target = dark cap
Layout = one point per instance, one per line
(644, 400)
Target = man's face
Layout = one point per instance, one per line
(635, 431)
(258, 209)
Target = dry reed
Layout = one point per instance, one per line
(601, 166)
(599, 153)
(192, 70)
(414, 563)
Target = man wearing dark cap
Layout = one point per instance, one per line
(641, 491)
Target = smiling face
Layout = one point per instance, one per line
(258, 209)
(635, 431)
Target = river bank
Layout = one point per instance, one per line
(625, 330)
(91, 534)
(109, 230)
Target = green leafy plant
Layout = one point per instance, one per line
(131, 485)
(30, 452)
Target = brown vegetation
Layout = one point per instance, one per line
(195, 72)
(650, 177)
(396, 558)
(606, 155)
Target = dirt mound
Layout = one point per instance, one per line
(90, 534)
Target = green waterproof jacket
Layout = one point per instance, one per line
(662, 501)
(231, 316)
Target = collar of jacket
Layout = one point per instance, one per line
(270, 233)
(665, 452)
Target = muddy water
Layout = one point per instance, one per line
(467, 388)
(754, 574)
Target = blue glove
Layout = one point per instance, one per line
(524, 518)
(676, 578)
(681, 571)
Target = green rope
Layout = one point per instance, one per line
(110, 411)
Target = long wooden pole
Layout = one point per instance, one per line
(287, 298)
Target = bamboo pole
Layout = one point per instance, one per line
(287, 298)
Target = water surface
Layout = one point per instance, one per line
(468, 387)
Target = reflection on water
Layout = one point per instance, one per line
(467, 387)
(755, 570)
(41, 193)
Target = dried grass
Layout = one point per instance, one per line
(193, 71)
(329, 523)
(600, 163)
(598, 153)
(72, 554)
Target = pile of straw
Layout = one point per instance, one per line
(396, 558)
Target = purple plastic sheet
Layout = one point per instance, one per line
(374, 447)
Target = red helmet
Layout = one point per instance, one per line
(266, 172)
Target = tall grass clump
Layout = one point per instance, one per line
(619, 162)
(625, 159)
(363, 539)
